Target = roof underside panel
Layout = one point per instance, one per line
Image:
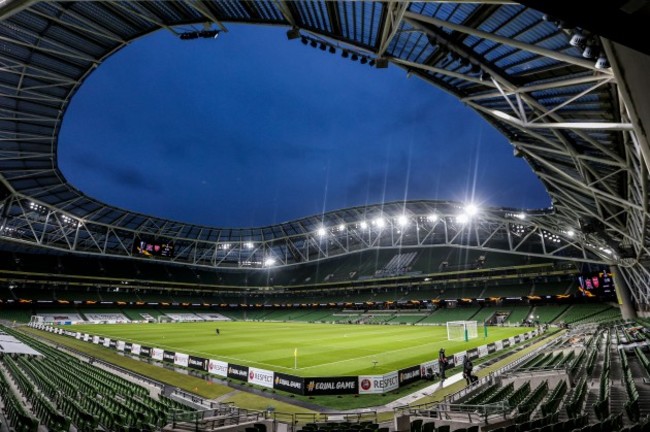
(49, 48)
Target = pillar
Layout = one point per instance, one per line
(623, 294)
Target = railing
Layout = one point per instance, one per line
(210, 419)
(302, 418)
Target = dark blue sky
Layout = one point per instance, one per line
(251, 129)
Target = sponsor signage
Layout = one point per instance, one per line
(409, 375)
(459, 358)
(107, 342)
(128, 346)
(433, 365)
(157, 353)
(490, 347)
(484, 350)
(517, 339)
(168, 356)
(112, 344)
(135, 349)
(86, 337)
(238, 372)
(506, 343)
(472, 354)
(197, 363)
(217, 367)
(288, 383)
(498, 345)
(146, 351)
(78, 335)
(331, 386)
(378, 383)
(180, 359)
(513, 340)
(95, 339)
(120, 345)
(260, 377)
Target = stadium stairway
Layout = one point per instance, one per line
(618, 394)
(639, 373)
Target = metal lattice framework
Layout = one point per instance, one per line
(563, 114)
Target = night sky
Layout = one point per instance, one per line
(252, 129)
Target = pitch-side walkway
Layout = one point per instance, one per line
(425, 391)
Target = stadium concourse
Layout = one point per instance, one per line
(567, 88)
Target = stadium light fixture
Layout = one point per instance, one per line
(321, 231)
(578, 39)
(249, 245)
(602, 62)
(432, 217)
(402, 220)
(380, 222)
(269, 262)
(364, 225)
(342, 227)
(571, 233)
(293, 33)
(462, 218)
(471, 210)
(520, 216)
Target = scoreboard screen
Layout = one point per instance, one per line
(153, 248)
(596, 284)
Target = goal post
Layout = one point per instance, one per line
(461, 330)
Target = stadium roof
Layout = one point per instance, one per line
(548, 88)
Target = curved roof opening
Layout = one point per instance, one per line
(251, 130)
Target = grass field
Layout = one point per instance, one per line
(323, 349)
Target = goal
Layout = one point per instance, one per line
(461, 330)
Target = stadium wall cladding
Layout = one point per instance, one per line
(306, 386)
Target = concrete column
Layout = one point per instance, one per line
(623, 294)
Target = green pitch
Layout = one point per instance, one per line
(322, 349)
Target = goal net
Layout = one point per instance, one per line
(461, 330)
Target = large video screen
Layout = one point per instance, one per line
(153, 248)
(596, 284)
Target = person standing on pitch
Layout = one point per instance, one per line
(442, 362)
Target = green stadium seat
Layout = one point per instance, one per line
(416, 425)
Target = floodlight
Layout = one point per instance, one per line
(364, 225)
(354, 57)
(269, 262)
(248, 245)
(342, 227)
(602, 62)
(578, 39)
(432, 217)
(382, 63)
(332, 50)
(462, 218)
(380, 222)
(321, 231)
(293, 33)
(588, 52)
(570, 233)
(402, 220)
(471, 209)
(520, 216)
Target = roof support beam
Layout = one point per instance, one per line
(587, 64)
